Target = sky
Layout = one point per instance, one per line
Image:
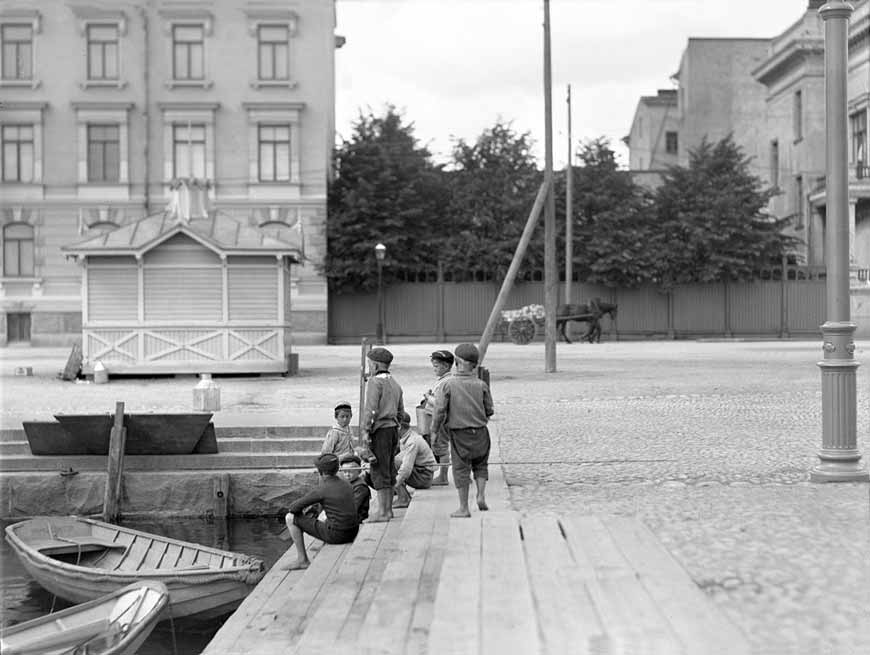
(455, 67)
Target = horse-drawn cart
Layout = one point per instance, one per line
(522, 324)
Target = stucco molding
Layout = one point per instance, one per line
(794, 54)
(264, 16)
(31, 16)
(90, 15)
(173, 17)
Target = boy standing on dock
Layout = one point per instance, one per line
(380, 432)
(442, 363)
(335, 495)
(463, 403)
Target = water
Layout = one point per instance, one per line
(23, 599)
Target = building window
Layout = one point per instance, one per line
(104, 153)
(774, 163)
(671, 143)
(799, 201)
(188, 52)
(102, 52)
(18, 250)
(273, 52)
(274, 153)
(858, 122)
(798, 116)
(18, 151)
(188, 151)
(17, 51)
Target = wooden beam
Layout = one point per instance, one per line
(115, 469)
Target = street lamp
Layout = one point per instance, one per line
(380, 254)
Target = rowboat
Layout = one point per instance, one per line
(80, 559)
(114, 624)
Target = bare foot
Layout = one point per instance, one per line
(298, 565)
(481, 505)
(461, 514)
(377, 518)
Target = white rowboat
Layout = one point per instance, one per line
(115, 624)
(80, 559)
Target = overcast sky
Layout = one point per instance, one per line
(455, 66)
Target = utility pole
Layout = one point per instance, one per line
(569, 211)
(551, 278)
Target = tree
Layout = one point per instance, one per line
(612, 220)
(386, 190)
(712, 221)
(492, 185)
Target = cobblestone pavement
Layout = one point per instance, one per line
(710, 443)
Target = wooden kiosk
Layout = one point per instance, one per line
(189, 290)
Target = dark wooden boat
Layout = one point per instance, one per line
(147, 434)
(50, 438)
(114, 624)
(81, 559)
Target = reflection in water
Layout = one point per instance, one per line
(22, 599)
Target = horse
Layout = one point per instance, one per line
(590, 313)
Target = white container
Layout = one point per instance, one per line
(101, 374)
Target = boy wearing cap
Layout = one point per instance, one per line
(415, 462)
(463, 403)
(442, 363)
(380, 433)
(339, 440)
(335, 495)
(350, 469)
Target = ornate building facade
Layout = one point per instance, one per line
(105, 103)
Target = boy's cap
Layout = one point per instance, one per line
(327, 464)
(380, 355)
(350, 459)
(468, 352)
(442, 356)
(342, 404)
(405, 418)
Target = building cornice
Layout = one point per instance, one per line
(795, 53)
(859, 32)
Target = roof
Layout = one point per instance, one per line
(216, 231)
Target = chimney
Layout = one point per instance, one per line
(188, 199)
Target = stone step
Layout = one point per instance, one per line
(242, 432)
(22, 463)
(225, 445)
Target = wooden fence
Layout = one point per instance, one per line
(775, 305)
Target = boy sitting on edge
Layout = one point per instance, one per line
(335, 495)
(415, 462)
(350, 469)
(339, 440)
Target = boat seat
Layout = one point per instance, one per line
(67, 545)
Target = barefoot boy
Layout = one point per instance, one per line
(339, 440)
(350, 469)
(442, 363)
(335, 495)
(415, 462)
(463, 403)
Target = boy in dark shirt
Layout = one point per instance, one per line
(335, 495)
(350, 469)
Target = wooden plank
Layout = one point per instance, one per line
(507, 613)
(566, 616)
(455, 625)
(237, 627)
(115, 468)
(73, 363)
(631, 619)
(279, 625)
(356, 616)
(389, 618)
(424, 610)
(351, 574)
(700, 626)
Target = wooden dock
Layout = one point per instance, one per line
(497, 583)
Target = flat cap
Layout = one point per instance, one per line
(468, 352)
(341, 404)
(327, 464)
(405, 418)
(380, 355)
(347, 459)
(442, 356)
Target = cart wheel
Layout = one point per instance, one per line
(522, 330)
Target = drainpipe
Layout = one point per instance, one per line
(146, 59)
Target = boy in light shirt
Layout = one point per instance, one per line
(339, 439)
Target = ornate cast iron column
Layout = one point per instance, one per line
(840, 457)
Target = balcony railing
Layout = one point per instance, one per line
(859, 171)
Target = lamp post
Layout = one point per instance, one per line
(839, 455)
(380, 254)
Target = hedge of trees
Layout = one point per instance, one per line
(706, 222)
